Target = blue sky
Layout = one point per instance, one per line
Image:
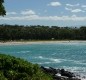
(45, 12)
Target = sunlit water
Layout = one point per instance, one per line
(70, 56)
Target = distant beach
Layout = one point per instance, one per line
(39, 42)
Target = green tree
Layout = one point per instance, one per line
(2, 9)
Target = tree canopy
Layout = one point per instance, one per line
(2, 8)
(21, 32)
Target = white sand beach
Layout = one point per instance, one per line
(39, 42)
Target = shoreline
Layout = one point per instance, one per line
(40, 42)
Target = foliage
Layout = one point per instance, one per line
(17, 32)
(2, 9)
(12, 68)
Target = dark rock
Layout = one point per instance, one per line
(50, 70)
(47, 70)
(74, 78)
(66, 73)
(55, 71)
(60, 78)
(58, 74)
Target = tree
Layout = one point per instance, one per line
(2, 9)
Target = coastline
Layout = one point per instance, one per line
(40, 42)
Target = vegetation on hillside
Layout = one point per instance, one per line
(16, 32)
(12, 68)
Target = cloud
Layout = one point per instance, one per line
(74, 10)
(68, 9)
(55, 4)
(11, 13)
(84, 6)
(77, 10)
(28, 12)
(70, 5)
(49, 18)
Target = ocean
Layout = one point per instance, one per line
(68, 55)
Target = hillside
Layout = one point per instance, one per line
(12, 68)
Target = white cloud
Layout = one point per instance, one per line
(49, 18)
(74, 10)
(77, 10)
(11, 13)
(70, 5)
(28, 12)
(68, 9)
(54, 4)
(84, 6)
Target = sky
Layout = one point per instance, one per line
(45, 12)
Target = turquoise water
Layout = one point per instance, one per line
(70, 56)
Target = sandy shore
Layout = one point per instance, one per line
(38, 42)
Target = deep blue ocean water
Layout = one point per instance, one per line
(70, 56)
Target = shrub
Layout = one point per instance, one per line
(12, 68)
